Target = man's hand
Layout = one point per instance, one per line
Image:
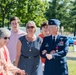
(44, 51)
(52, 52)
(49, 56)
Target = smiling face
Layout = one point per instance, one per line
(4, 40)
(53, 29)
(45, 30)
(31, 28)
(4, 36)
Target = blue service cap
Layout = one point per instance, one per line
(54, 22)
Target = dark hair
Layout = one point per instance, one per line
(14, 18)
(44, 24)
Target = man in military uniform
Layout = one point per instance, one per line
(54, 48)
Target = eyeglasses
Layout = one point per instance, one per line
(30, 27)
(6, 38)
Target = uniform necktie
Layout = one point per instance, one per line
(53, 38)
(53, 42)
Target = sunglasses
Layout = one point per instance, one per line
(6, 38)
(30, 27)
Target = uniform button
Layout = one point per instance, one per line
(30, 50)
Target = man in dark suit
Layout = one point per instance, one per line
(54, 48)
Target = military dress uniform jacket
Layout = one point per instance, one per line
(58, 64)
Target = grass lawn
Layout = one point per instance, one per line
(71, 59)
(72, 67)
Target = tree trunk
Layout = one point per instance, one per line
(3, 16)
(75, 31)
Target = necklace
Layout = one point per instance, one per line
(30, 45)
(30, 39)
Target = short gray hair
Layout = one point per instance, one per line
(4, 32)
(31, 22)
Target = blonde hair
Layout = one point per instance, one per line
(31, 22)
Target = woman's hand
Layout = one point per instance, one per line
(22, 72)
(3, 64)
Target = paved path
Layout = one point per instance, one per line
(71, 55)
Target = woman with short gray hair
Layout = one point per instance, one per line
(4, 32)
(6, 67)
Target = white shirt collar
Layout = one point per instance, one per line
(55, 37)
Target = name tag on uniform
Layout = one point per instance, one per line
(46, 45)
(61, 43)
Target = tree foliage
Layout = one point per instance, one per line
(5, 6)
(39, 11)
(72, 20)
(25, 9)
(58, 9)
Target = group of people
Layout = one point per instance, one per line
(30, 53)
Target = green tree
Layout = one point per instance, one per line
(31, 10)
(25, 9)
(5, 6)
(58, 9)
(72, 21)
